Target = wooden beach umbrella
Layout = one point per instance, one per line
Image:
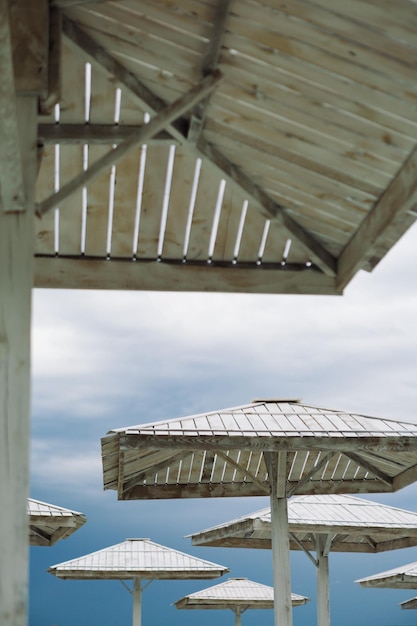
(321, 523)
(49, 523)
(137, 560)
(403, 577)
(279, 448)
(237, 594)
(261, 200)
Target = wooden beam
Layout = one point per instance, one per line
(357, 458)
(29, 24)
(399, 197)
(210, 62)
(126, 486)
(104, 61)
(157, 123)
(16, 280)
(11, 172)
(81, 273)
(405, 478)
(271, 209)
(95, 134)
(52, 97)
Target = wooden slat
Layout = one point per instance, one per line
(203, 215)
(102, 109)
(72, 106)
(179, 202)
(152, 201)
(228, 224)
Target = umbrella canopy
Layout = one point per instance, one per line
(137, 559)
(403, 577)
(266, 447)
(49, 523)
(237, 594)
(322, 523)
(351, 524)
(409, 604)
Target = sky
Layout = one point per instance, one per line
(104, 360)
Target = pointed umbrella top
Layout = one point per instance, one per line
(235, 592)
(137, 558)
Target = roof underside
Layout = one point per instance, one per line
(282, 156)
(224, 453)
(351, 525)
(49, 523)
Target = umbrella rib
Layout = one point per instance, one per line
(132, 482)
(245, 471)
(304, 549)
(371, 468)
(311, 473)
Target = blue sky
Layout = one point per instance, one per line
(104, 360)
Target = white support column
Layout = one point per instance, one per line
(238, 617)
(323, 596)
(137, 602)
(16, 279)
(280, 539)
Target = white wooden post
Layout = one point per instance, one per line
(16, 267)
(280, 539)
(323, 596)
(137, 602)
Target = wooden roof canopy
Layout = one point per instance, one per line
(228, 453)
(49, 523)
(224, 145)
(350, 524)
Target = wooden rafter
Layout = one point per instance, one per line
(210, 62)
(399, 198)
(11, 171)
(147, 275)
(94, 134)
(157, 123)
(316, 253)
(370, 467)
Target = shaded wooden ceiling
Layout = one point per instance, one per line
(225, 145)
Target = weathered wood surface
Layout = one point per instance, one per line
(16, 281)
(313, 130)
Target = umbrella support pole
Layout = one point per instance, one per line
(323, 596)
(280, 540)
(16, 281)
(238, 617)
(137, 602)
